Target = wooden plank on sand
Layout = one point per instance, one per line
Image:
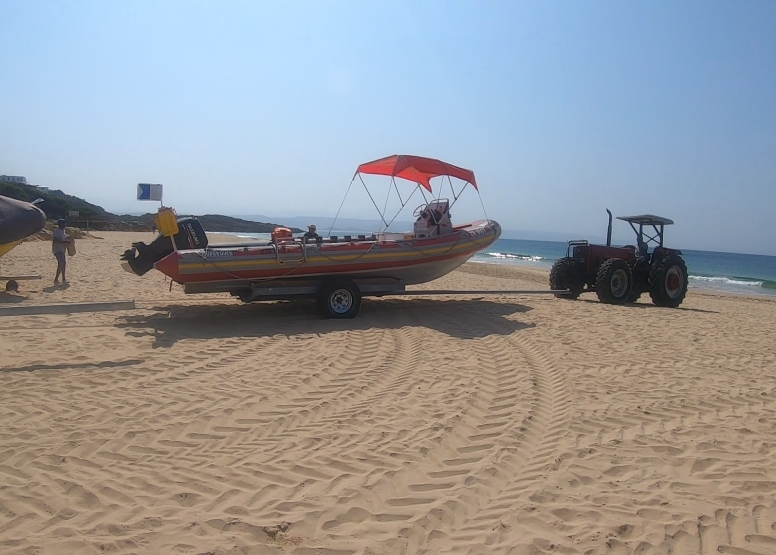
(66, 308)
(19, 278)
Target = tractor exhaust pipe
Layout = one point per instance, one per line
(609, 231)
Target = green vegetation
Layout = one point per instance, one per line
(56, 204)
(216, 222)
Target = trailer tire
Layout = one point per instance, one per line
(340, 299)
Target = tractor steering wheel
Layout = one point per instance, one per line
(419, 210)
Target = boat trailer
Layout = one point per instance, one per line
(337, 296)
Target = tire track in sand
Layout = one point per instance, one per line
(551, 414)
(507, 432)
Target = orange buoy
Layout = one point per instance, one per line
(281, 233)
(167, 222)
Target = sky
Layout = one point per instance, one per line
(562, 109)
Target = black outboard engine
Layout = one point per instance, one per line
(141, 257)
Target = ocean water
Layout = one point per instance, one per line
(746, 274)
(721, 271)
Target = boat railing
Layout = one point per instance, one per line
(278, 244)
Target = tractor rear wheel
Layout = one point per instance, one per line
(614, 281)
(565, 275)
(668, 281)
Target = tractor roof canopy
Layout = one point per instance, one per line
(646, 219)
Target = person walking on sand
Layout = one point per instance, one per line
(59, 248)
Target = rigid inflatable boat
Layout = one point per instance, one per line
(336, 270)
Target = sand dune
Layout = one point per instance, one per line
(426, 425)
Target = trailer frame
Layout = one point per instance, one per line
(338, 296)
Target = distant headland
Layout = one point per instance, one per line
(85, 215)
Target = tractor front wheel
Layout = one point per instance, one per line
(614, 281)
(566, 275)
(668, 282)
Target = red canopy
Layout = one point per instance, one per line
(416, 168)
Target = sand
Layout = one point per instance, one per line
(196, 424)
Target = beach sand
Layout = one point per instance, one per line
(521, 425)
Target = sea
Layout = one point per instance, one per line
(743, 274)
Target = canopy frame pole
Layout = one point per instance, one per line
(393, 180)
(341, 205)
(483, 206)
(417, 181)
(417, 186)
(388, 196)
(456, 197)
(424, 194)
(368, 192)
(404, 203)
(401, 201)
(382, 215)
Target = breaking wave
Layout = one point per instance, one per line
(510, 256)
(738, 281)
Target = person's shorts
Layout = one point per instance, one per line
(61, 257)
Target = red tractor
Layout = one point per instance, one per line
(621, 274)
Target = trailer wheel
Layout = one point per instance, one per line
(340, 299)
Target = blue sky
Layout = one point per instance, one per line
(562, 109)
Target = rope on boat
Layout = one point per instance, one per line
(235, 276)
(372, 246)
(372, 199)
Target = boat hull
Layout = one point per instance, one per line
(18, 220)
(5, 249)
(411, 261)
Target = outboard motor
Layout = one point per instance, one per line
(141, 257)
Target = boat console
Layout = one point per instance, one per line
(433, 219)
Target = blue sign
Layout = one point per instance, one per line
(149, 191)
